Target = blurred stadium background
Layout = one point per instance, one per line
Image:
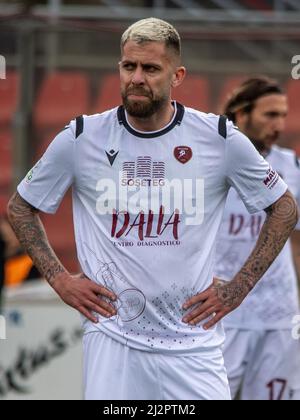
(61, 61)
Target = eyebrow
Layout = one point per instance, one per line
(147, 64)
(276, 112)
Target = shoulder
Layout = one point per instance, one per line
(86, 123)
(199, 117)
(288, 156)
(214, 124)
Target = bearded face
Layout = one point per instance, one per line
(140, 102)
(146, 74)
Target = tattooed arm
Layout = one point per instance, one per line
(223, 297)
(295, 239)
(77, 291)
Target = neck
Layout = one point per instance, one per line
(156, 122)
(261, 147)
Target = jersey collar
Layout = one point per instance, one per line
(179, 113)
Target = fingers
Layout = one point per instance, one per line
(213, 311)
(98, 289)
(94, 302)
(214, 320)
(199, 298)
(101, 290)
(102, 304)
(201, 312)
(90, 298)
(99, 308)
(88, 307)
(87, 314)
(207, 305)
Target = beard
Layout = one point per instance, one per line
(144, 108)
(263, 145)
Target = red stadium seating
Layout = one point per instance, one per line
(229, 85)
(62, 97)
(194, 92)
(5, 168)
(5, 158)
(43, 141)
(293, 93)
(3, 204)
(109, 93)
(257, 4)
(59, 229)
(8, 97)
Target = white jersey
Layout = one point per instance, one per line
(273, 302)
(147, 207)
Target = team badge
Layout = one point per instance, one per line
(183, 153)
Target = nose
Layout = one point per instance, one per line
(280, 124)
(138, 76)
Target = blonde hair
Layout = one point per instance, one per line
(153, 30)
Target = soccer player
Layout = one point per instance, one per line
(150, 179)
(2, 262)
(261, 356)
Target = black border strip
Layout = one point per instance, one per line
(177, 121)
(222, 128)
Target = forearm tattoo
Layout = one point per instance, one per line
(28, 228)
(281, 219)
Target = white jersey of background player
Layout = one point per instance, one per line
(260, 354)
(149, 242)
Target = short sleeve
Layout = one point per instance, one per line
(258, 185)
(47, 182)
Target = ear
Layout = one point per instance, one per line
(178, 76)
(241, 118)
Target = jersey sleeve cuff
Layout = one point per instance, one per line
(33, 201)
(264, 202)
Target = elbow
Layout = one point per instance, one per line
(292, 214)
(285, 212)
(16, 208)
(10, 208)
(297, 215)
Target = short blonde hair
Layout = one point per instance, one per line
(153, 30)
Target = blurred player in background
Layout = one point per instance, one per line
(151, 308)
(260, 354)
(2, 262)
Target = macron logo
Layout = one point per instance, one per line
(111, 156)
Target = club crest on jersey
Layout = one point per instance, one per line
(183, 153)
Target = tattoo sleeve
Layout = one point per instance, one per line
(295, 239)
(29, 229)
(281, 219)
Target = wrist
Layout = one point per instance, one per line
(244, 281)
(59, 278)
